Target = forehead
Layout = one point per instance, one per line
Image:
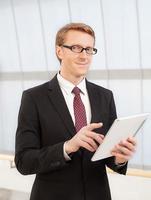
(78, 37)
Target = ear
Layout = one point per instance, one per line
(59, 52)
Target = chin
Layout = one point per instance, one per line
(85, 69)
(82, 72)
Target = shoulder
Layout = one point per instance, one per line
(99, 89)
(34, 94)
(37, 89)
(42, 88)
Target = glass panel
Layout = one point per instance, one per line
(121, 34)
(127, 95)
(33, 83)
(145, 30)
(102, 83)
(147, 127)
(10, 92)
(30, 35)
(55, 14)
(9, 60)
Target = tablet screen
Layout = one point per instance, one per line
(121, 129)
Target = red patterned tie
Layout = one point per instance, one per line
(79, 110)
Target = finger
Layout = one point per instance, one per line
(119, 155)
(95, 136)
(132, 140)
(128, 145)
(90, 141)
(123, 150)
(92, 126)
(87, 146)
(99, 138)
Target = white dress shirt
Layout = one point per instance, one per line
(66, 88)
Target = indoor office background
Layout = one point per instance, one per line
(122, 64)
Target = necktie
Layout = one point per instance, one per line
(79, 110)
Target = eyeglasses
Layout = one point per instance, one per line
(79, 49)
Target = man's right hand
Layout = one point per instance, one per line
(85, 138)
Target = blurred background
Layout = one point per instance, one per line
(27, 59)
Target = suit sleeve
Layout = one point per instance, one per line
(30, 157)
(110, 162)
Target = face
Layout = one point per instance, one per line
(75, 65)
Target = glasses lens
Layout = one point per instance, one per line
(94, 51)
(76, 48)
(91, 50)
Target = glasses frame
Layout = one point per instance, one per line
(82, 49)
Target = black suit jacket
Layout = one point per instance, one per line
(44, 124)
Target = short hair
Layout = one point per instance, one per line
(61, 34)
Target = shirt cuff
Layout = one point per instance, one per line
(66, 156)
(120, 164)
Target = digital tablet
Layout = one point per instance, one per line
(121, 129)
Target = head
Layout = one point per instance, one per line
(70, 41)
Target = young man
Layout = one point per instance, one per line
(62, 122)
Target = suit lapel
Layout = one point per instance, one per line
(97, 108)
(93, 98)
(57, 99)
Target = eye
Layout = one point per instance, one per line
(76, 48)
(89, 49)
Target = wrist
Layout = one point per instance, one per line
(68, 148)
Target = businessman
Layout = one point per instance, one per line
(62, 122)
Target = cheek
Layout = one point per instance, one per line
(90, 59)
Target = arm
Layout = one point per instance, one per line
(30, 156)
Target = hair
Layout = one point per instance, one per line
(61, 34)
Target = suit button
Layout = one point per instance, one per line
(55, 164)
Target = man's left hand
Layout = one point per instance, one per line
(125, 150)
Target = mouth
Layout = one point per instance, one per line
(84, 64)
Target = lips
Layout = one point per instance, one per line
(82, 63)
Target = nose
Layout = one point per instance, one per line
(83, 54)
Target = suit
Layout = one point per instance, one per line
(44, 124)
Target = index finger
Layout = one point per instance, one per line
(92, 126)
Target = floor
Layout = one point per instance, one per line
(6, 194)
(133, 188)
(14, 186)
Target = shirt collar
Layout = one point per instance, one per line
(67, 86)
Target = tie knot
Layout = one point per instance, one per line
(76, 91)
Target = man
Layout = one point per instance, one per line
(62, 122)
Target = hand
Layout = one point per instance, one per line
(85, 138)
(124, 150)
